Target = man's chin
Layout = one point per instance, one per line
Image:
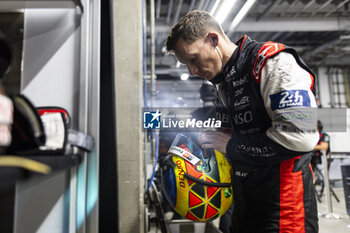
(208, 78)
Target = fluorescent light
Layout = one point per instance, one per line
(216, 4)
(225, 8)
(241, 14)
(184, 76)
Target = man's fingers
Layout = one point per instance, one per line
(202, 139)
(216, 140)
(205, 141)
(207, 145)
(209, 137)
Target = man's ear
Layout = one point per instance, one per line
(213, 38)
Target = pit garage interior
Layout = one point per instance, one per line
(104, 63)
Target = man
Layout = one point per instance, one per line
(322, 145)
(266, 88)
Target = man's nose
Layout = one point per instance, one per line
(192, 69)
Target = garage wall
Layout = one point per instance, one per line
(128, 59)
(50, 77)
(338, 128)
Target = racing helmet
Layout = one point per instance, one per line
(197, 184)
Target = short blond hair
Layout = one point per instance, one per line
(193, 26)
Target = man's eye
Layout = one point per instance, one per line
(193, 60)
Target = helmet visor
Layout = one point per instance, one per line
(185, 148)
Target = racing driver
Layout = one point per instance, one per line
(267, 90)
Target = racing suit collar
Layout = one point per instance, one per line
(220, 77)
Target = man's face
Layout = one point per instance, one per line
(200, 57)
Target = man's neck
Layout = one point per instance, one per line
(228, 51)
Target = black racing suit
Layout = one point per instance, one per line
(266, 89)
(317, 154)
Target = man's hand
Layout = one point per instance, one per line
(216, 140)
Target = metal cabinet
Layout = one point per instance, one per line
(60, 66)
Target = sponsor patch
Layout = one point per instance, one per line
(184, 154)
(289, 99)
